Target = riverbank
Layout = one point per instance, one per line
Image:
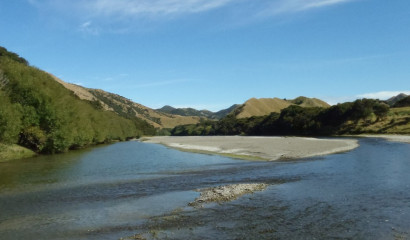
(392, 138)
(13, 152)
(257, 148)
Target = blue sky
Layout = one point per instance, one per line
(215, 53)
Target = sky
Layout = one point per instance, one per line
(210, 54)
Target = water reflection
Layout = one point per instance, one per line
(126, 188)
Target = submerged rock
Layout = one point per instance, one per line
(226, 193)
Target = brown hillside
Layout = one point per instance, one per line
(261, 107)
(124, 106)
(265, 106)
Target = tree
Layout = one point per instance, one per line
(381, 110)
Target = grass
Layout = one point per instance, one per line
(397, 121)
(265, 106)
(13, 152)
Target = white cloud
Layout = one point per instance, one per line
(133, 7)
(86, 24)
(292, 6)
(382, 95)
(123, 16)
(321, 3)
(153, 7)
(88, 28)
(144, 8)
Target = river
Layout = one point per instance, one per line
(122, 189)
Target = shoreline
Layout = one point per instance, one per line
(392, 138)
(257, 148)
(10, 152)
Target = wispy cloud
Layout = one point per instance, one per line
(88, 28)
(133, 8)
(293, 6)
(153, 7)
(119, 16)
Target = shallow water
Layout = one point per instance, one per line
(118, 190)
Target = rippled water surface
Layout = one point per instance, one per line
(127, 188)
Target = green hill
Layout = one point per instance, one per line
(39, 113)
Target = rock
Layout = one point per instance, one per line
(226, 193)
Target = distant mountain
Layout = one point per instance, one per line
(185, 111)
(224, 112)
(198, 113)
(404, 102)
(265, 106)
(391, 101)
(127, 108)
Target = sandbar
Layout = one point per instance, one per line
(257, 148)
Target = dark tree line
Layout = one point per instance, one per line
(294, 120)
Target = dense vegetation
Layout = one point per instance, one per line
(295, 120)
(405, 102)
(125, 108)
(198, 113)
(39, 113)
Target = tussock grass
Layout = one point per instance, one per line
(397, 121)
(13, 152)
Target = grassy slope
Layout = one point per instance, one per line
(122, 105)
(397, 121)
(13, 151)
(128, 108)
(265, 106)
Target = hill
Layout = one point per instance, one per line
(185, 111)
(393, 100)
(309, 102)
(224, 112)
(361, 116)
(265, 106)
(404, 102)
(127, 108)
(199, 113)
(39, 113)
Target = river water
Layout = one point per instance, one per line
(128, 188)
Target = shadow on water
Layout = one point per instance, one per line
(127, 188)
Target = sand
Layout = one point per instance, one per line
(258, 148)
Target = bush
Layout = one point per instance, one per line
(41, 114)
